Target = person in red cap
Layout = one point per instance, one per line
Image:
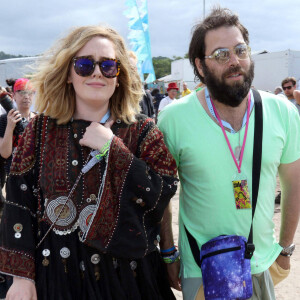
(172, 92)
(23, 95)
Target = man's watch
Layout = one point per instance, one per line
(288, 251)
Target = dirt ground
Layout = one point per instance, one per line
(289, 289)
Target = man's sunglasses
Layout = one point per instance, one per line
(85, 66)
(287, 87)
(222, 55)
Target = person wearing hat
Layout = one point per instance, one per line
(172, 92)
(23, 95)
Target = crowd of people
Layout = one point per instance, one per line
(90, 174)
(288, 90)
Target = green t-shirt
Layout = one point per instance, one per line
(206, 170)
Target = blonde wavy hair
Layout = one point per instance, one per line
(56, 98)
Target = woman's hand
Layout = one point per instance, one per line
(13, 117)
(21, 289)
(96, 135)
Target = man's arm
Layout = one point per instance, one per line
(167, 241)
(296, 95)
(290, 206)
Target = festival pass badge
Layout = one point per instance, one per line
(241, 194)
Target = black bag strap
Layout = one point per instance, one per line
(256, 166)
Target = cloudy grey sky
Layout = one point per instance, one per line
(30, 27)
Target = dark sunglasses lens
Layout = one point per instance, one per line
(109, 68)
(84, 66)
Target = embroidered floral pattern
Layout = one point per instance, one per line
(120, 159)
(17, 264)
(156, 155)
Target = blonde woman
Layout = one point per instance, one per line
(89, 183)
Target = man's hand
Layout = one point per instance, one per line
(284, 262)
(290, 205)
(173, 274)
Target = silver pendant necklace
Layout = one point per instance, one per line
(238, 149)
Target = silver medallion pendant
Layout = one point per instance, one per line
(62, 213)
(18, 227)
(85, 217)
(18, 235)
(64, 252)
(46, 253)
(95, 259)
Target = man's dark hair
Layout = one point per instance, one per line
(219, 17)
(155, 92)
(287, 80)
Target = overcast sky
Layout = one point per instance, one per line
(30, 27)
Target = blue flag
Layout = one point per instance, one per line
(139, 37)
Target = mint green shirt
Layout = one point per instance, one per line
(206, 170)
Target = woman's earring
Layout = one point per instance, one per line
(117, 85)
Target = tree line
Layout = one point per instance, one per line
(4, 55)
(162, 65)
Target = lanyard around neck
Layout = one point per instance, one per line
(105, 117)
(238, 165)
(226, 124)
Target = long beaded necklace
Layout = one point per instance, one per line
(89, 163)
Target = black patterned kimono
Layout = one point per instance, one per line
(99, 240)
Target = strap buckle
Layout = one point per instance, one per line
(249, 250)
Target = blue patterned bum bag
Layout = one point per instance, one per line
(225, 266)
(225, 260)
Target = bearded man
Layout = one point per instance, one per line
(213, 148)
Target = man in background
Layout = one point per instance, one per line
(186, 90)
(172, 93)
(279, 92)
(289, 85)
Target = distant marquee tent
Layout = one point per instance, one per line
(270, 69)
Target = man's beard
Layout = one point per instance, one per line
(231, 95)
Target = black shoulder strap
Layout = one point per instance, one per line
(256, 166)
(257, 151)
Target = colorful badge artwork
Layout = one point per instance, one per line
(241, 194)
